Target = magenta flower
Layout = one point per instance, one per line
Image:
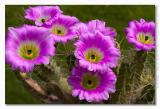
(96, 52)
(28, 46)
(61, 28)
(94, 26)
(92, 86)
(141, 34)
(43, 15)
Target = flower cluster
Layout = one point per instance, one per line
(29, 45)
(92, 78)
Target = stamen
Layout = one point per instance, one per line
(59, 30)
(29, 50)
(90, 81)
(93, 55)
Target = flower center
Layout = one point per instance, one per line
(90, 81)
(43, 20)
(59, 30)
(28, 50)
(145, 38)
(93, 55)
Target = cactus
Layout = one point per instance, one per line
(135, 83)
(135, 76)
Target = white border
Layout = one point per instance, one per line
(100, 2)
(72, 2)
(2, 54)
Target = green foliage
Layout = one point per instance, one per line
(15, 92)
(135, 73)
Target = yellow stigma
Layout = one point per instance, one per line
(145, 39)
(93, 55)
(90, 81)
(28, 50)
(43, 20)
(59, 30)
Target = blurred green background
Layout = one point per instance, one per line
(115, 16)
